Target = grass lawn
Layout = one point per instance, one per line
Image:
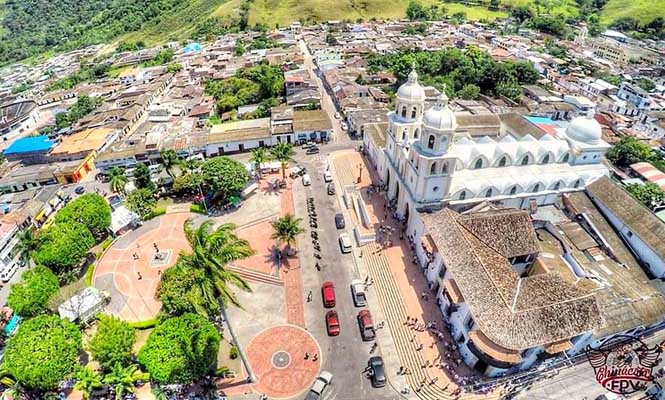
(474, 13)
(642, 10)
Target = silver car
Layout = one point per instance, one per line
(358, 293)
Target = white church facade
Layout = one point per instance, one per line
(430, 161)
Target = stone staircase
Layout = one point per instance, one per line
(395, 312)
(255, 276)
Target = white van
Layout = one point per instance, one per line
(306, 180)
(8, 272)
(345, 243)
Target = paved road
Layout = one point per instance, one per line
(345, 355)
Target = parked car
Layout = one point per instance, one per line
(366, 326)
(8, 272)
(345, 243)
(79, 190)
(312, 150)
(337, 116)
(339, 221)
(327, 176)
(328, 294)
(358, 293)
(306, 180)
(320, 384)
(332, 323)
(297, 171)
(377, 371)
(344, 126)
(331, 189)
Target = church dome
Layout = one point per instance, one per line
(411, 89)
(440, 117)
(585, 129)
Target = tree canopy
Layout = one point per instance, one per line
(248, 86)
(649, 194)
(43, 352)
(224, 175)
(179, 292)
(84, 105)
(91, 210)
(180, 349)
(141, 201)
(63, 246)
(113, 341)
(457, 69)
(630, 150)
(29, 297)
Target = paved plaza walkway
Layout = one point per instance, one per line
(130, 269)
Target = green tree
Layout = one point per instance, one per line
(286, 229)
(225, 176)
(87, 381)
(469, 92)
(29, 297)
(117, 180)
(212, 250)
(416, 11)
(63, 246)
(142, 177)
(188, 183)
(628, 151)
(91, 210)
(283, 152)
(112, 342)
(180, 291)
(141, 201)
(646, 84)
(174, 67)
(180, 349)
(170, 161)
(259, 156)
(27, 243)
(649, 194)
(43, 352)
(123, 380)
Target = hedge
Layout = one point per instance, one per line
(155, 213)
(197, 208)
(148, 323)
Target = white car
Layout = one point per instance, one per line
(337, 116)
(327, 176)
(320, 384)
(358, 293)
(344, 126)
(306, 180)
(345, 243)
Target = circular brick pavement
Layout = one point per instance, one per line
(277, 357)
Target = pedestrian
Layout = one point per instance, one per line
(366, 279)
(159, 272)
(140, 276)
(420, 347)
(309, 297)
(413, 338)
(436, 378)
(401, 370)
(316, 357)
(361, 254)
(306, 355)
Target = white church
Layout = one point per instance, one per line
(437, 157)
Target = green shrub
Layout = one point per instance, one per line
(113, 341)
(107, 243)
(29, 297)
(197, 208)
(155, 213)
(148, 323)
(89, 273)
(222, 370)
(233, 353)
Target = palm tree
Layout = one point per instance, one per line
(259, 156)
(286, 229)
(123, 379)
(283, 152)
(27, 243)
(170, 160)
(87, 380)
(117, 180)
(212, 250)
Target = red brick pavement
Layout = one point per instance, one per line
(293, 287)
(296, 374)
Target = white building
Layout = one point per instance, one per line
(432, 160)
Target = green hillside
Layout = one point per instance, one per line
(33, 27)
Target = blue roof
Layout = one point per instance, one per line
(541, 120)
(30, 144)
(192, 47)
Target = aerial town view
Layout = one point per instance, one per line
(334, 200)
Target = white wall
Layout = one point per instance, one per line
(233, 147)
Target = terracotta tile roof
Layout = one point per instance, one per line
(515, 313)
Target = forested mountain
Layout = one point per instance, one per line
(31, 27)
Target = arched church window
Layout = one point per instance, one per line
(513, 190)
(430, 142)
(462, 195)
(432, 169)
(577, 183)
(444, 169)
(557, 186)
(416, 133)
(503, 161)
(488, 193)
(536, 188)
(546, 159)
(525, 160)
(414, 110)
(566, 157)
(478, 164)
(404, 134)
(403, 111)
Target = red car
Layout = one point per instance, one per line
(328, 294)
(332, 323)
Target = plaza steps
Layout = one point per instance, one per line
(255, 276)
(395, 312)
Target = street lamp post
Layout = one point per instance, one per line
(360, 175)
